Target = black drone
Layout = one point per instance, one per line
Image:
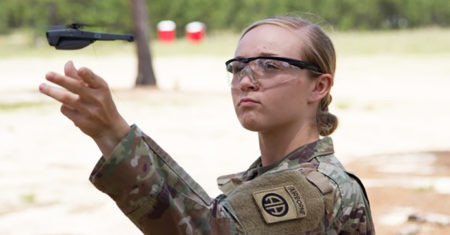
(71, 37)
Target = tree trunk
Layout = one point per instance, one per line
(145, 76)
(52, 13)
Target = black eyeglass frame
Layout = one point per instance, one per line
(294, 62)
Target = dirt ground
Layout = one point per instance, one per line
(393, 133)
(401, 186)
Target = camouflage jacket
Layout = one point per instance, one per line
(307, 192)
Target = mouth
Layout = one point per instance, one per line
(245, 101)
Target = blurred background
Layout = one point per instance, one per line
(390, 94)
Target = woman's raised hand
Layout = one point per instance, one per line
(87, 101)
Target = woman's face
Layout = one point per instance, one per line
(279, 98)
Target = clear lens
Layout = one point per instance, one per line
(269, 66)
(235, 67)
(230, 76)
(257, 69)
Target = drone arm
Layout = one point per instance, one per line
(111, 36)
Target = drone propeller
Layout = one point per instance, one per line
(77, 25)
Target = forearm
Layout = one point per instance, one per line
(154, 192)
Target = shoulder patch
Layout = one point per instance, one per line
(280, 204)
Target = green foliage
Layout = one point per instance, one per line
(226, 15)
(39, 14)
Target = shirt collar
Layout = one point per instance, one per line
(305, 153)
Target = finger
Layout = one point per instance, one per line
(73, 85)
(80, 120)
(70, 70)
(59, 94)
(68, 107)
(90, 78)
(71, 114)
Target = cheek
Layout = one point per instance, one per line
(300, 92)
(235, 95)
(292, 93)
(288, 103)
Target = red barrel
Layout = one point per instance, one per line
(166, 31)
(195, 31)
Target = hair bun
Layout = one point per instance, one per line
(327, 123)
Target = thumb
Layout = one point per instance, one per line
(93, 80)
(70, 70)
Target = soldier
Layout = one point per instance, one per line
(282, 74)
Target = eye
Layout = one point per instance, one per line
(235, 67)
(267, 64)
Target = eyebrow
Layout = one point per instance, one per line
(260, 54)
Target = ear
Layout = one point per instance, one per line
(320, 87)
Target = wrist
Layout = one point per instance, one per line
(108, 140)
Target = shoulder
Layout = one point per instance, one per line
(348, 187)
(351, 207)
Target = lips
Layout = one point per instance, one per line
(245, 101)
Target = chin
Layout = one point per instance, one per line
(251, 125)
(251, 128)
(251, 121)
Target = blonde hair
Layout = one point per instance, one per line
(317, 49)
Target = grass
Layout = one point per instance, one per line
(21, 105)
(28, 198)
(426, 41)
(24, 44)
(343, 104)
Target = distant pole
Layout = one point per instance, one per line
(145, 76)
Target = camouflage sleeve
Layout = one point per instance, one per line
(354, 213)
(157, 194)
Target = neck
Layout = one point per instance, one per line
(276, 144)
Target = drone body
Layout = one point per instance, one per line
(72, 38)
